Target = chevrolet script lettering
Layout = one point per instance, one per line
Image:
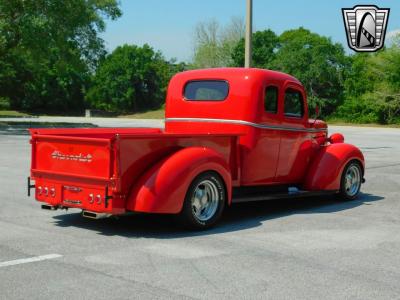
(79, 157)
(365, 27)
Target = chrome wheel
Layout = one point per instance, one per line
(205, 200)
(352, 180)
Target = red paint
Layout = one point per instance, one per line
(336, 138)
(327, 166)
(150, 170)
(161, 186)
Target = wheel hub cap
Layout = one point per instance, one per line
(205, 200)
(352, 180)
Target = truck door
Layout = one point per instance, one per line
(295, 143)
(262, 160)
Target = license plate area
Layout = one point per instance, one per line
(83, 197)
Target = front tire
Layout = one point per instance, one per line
(204, 201)
(351, 180)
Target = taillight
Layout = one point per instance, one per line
(46, 191)
(98, 198)
(53, 192)
(91, 198)
(39, 190)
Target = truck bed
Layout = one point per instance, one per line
(95, 169)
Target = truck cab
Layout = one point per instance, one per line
(268, 108)
(231, 135)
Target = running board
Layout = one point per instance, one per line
(275, 196)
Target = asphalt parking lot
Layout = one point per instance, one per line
(316, 248)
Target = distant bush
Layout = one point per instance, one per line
(131, 79)
(4, 103)
(357, 111)
(126, 79)
(372, 88)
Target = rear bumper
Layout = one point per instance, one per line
(88, 197)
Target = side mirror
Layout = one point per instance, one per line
(316, 114)
(316, 111)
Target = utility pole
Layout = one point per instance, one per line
(249, 31)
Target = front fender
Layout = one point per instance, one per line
(327, 166)
(163, 187)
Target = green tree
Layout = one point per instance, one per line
(130, 79)
(317, 62)
(48, 49)
(265, 44)
(373, 88)
(360, 77)
(214, 44)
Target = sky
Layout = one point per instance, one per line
(168, 25)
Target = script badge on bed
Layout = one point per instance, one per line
(365, 27)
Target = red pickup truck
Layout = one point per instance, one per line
(231, 135)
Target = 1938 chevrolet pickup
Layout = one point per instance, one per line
(231, 135)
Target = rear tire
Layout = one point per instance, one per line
(351, 180)
(204, 201)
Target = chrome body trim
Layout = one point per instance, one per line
(242, 122)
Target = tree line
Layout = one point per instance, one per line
(52, 60)
(360, 87)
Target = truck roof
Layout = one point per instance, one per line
(227, 73)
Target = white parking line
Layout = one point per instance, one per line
(28, 260)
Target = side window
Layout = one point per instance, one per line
(293, 103)
(271, 99)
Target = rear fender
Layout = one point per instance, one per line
(328, 164)
(163, 187)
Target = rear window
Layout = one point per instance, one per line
(206, 90)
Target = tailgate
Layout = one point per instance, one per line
(76, 172)
(89, 158)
